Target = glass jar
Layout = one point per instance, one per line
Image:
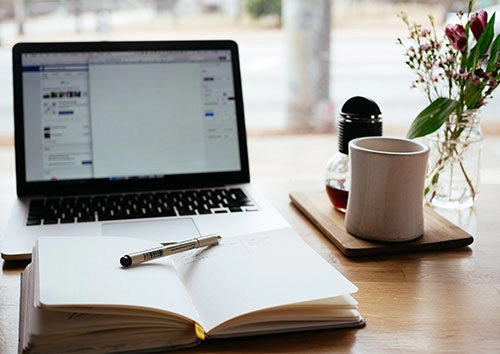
(453, 174)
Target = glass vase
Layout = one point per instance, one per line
(453, 174)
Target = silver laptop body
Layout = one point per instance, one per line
(139, 139)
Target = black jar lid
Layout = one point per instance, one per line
(360, 116)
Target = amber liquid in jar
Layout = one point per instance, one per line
(338, 197)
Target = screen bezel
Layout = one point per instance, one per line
(105, 185)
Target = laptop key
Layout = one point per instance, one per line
(50, 221)
(89, 218)
(33, 221)
(67, 220)
(220, 211)
(167, 212)
(186, 212)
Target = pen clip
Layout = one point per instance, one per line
(168, 243)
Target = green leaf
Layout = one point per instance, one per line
(494, 55)
(473, 58)
(487, 36)
(474, 94)
(432, 117)
(482, 45)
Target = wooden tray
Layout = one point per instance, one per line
(439, 233)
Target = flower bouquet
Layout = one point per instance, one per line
(458, 70)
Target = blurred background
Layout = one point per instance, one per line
(300, 60)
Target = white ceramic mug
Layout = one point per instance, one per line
(387, 189)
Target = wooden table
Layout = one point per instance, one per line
(446, 301)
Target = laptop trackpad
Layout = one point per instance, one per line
(154, 230)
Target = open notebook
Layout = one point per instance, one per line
(139, 139)
(261, 283)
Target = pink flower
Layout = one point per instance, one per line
(456, 36)
(424, 32)
(492, 82)
(424, 47)
(478, 22)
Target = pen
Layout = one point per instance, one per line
(132, 259)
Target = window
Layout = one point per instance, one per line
(363, 57)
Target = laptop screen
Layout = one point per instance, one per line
(145, 114)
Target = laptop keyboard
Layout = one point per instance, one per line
(138, 205)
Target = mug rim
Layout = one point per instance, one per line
(420, 148)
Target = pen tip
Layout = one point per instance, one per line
(126, 261)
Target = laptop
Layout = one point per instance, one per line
(136, 139)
